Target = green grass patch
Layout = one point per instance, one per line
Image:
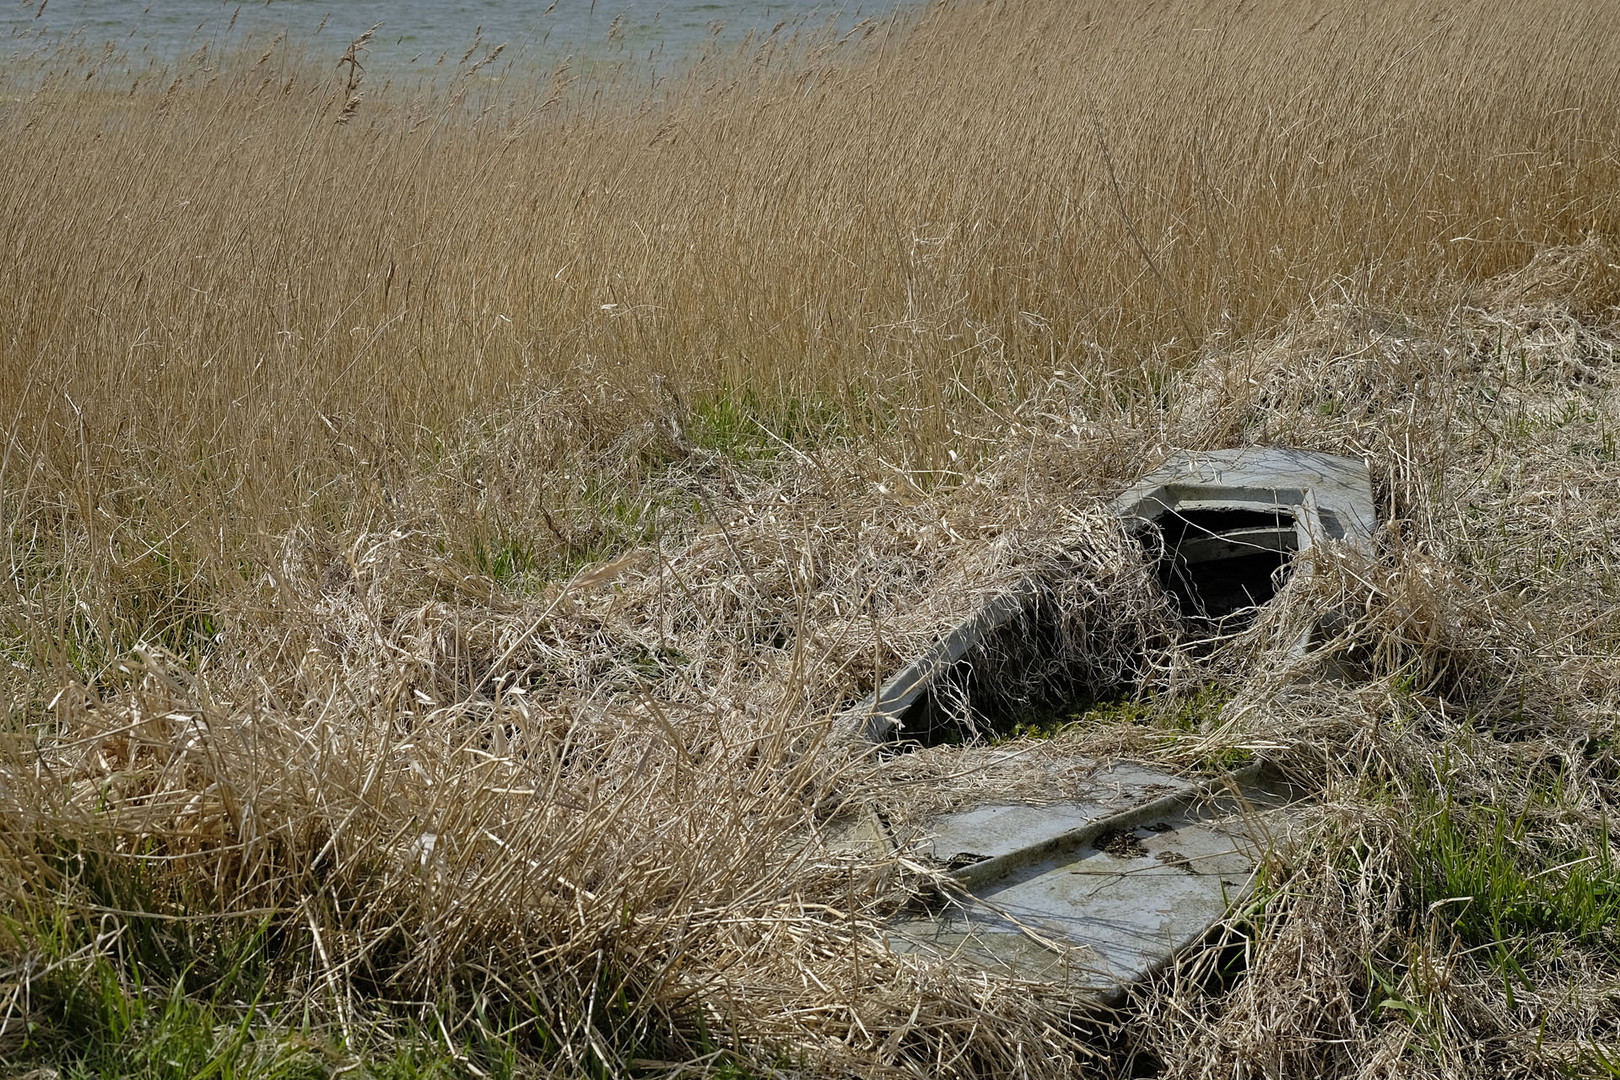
(1167, 715)
(505, 559)
(746, 426)
(128, 978)
(1481, 872)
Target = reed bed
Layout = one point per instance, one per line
(447, 517)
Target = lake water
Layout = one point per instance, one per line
(413, 32)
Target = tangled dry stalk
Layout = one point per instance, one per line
(445, 526)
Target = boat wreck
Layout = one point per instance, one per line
(1098, 889)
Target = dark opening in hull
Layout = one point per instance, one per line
(1220, 565)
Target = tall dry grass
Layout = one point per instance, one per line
(444, 517)
(953, 205)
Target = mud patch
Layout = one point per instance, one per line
(1120, 843)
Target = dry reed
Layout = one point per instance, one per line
(444, 521)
